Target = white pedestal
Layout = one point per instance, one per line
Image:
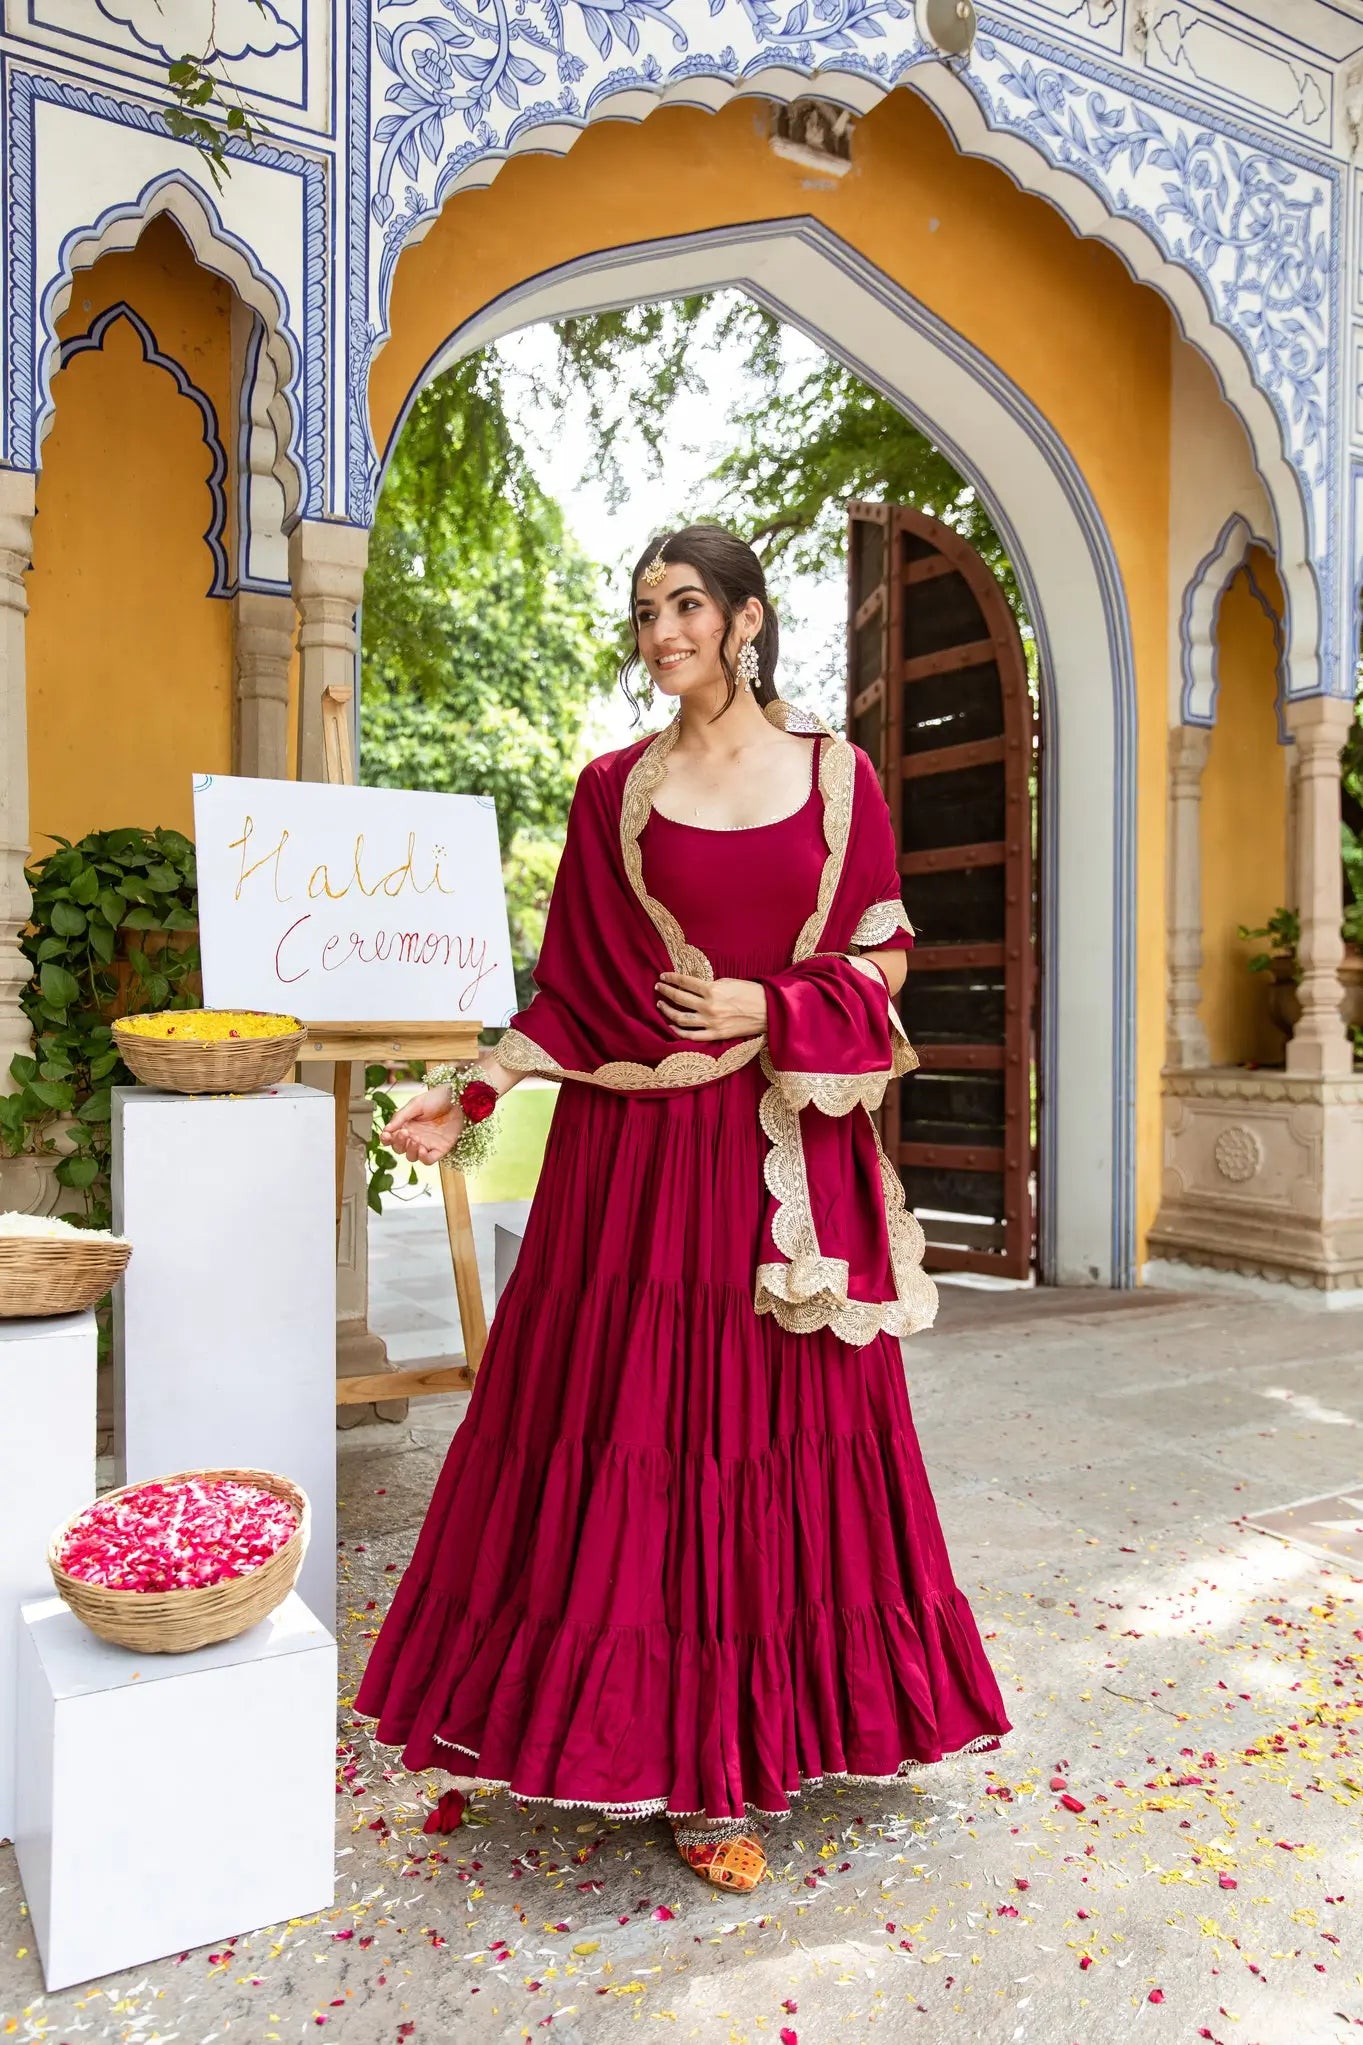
(225, 1322)
(47, 1473)
(506, 1248)
(167, 1801)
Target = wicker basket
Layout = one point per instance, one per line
(57, 1274)
(226, 1066)
(175, 1622)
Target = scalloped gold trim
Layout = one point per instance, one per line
(837, 777)
(809, 1291)
(837, 1093)
(837, 769)
(645, 777)
(880, 921)
(519, 1053)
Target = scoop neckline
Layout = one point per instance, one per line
(732, 830)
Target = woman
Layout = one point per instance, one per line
(682, 1556)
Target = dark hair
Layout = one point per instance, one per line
(731, 573)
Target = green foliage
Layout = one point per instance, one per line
(113, 929)
(486, 632)
(631, 363)
(200, 113)
(528, 871)
(483, 633)
(801, 450)
(382, 1164)
(485, 646)
(1283, 931)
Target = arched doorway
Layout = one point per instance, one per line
(1068, 572)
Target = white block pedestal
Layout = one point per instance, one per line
(47, 1473)
(167, 1801)
(506, 1248)
(225, 1322)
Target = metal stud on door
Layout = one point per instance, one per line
(938, 696)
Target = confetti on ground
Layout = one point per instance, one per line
(1168, 1846)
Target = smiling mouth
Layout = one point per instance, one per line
(670, 660)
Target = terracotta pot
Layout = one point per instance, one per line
(1284, 1005)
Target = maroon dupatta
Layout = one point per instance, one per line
(839, 1249)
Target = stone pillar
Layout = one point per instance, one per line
(326, 567)
(1185, 1046)
(263, 630)
(1320, 1043)
(17, 488)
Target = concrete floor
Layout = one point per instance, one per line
(1197, 1682)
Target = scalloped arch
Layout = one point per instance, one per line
(121, 227)
(1022, 105)
(1066, 564)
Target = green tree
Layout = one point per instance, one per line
(486, 633)
(801, 449)
(485, 642)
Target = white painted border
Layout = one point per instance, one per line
(1069, 574)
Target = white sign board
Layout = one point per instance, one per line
(351, 904)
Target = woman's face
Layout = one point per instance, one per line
(681, 631)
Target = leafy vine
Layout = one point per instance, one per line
(113, 931)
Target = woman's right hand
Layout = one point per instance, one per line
(427, 1128)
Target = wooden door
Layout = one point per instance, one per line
(937, 695)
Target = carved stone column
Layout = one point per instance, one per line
(326, 567)
(1320, 1043)
(263, 630)
(1186, 1046)
(17, 489)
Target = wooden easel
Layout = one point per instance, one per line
(366, 1043)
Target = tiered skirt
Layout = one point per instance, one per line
(677, 1559)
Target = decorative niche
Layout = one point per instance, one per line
(816, 133)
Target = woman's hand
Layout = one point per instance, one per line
(712, 1010)
(427, 1128)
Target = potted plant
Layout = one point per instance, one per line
(1283, 935)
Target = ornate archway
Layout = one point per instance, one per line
(1234, 237)
(1068, 570)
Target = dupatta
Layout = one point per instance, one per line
(839, 1248)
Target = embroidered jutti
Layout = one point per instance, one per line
(683, 1554)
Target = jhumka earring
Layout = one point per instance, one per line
(747, 668)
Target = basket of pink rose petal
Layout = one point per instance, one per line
(183, 1561)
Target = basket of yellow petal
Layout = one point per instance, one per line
(182, 1562)
(47, 1266)
(209, 1050)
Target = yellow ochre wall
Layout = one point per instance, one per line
(129, 660)
(1244, 853)
(1059, 314)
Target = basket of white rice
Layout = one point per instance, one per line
(48, 1266)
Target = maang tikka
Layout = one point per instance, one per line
(747, 668)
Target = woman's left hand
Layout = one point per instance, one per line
(710, 1010)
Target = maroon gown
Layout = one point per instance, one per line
(678, 1558)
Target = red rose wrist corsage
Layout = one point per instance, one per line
(477, 1099)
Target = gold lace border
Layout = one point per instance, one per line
(837, 776)
(880, 921)
(810, 1291)
(519, 1053)
(837, 1093)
